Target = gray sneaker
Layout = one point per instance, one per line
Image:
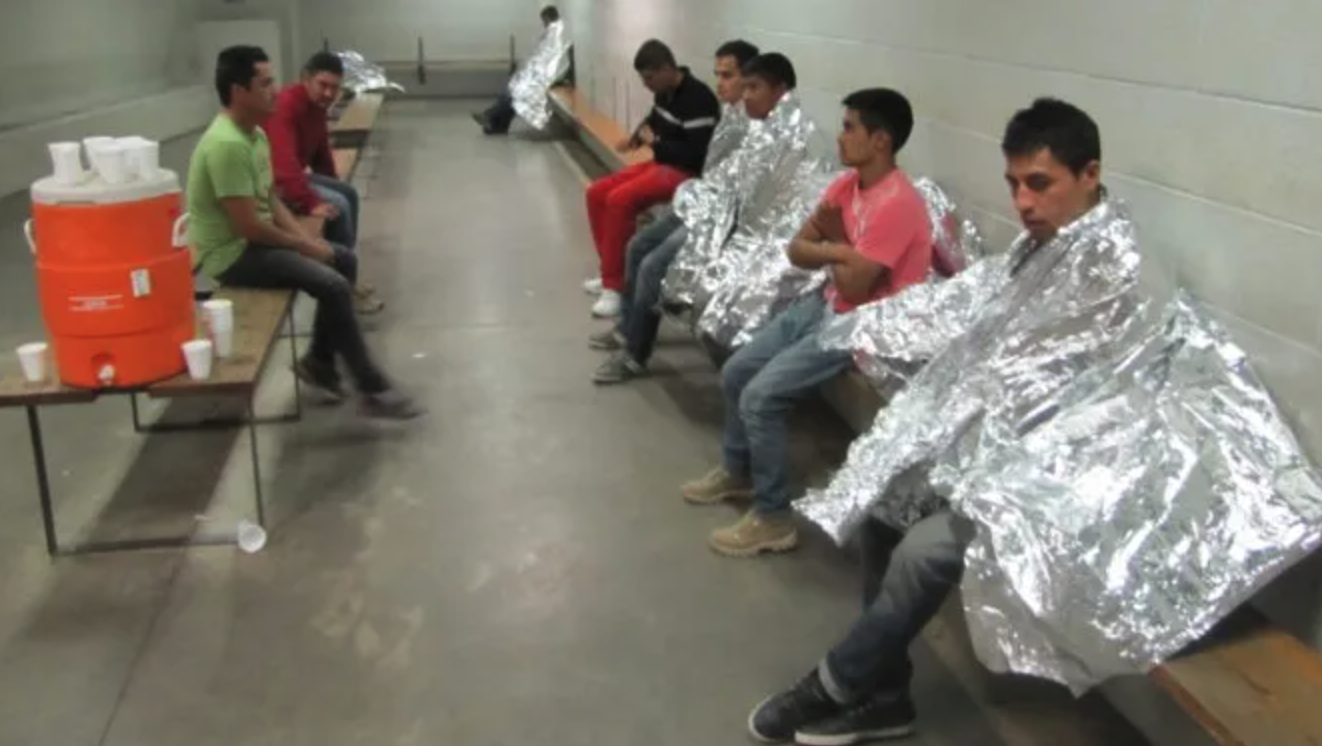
(391, 405)
(618, 368)
(607, 341)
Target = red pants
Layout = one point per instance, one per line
(614, 203)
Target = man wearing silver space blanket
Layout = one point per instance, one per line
(1096, 467)
(528, 88)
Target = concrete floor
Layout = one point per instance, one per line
(517, 568)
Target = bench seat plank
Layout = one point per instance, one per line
(360, 114)
(1249, 684)
(15, 391)
(258, 316)
(602, 128)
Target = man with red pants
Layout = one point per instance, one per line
(678, 130)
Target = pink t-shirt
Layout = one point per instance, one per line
(887, 223)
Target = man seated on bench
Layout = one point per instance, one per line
(304, 169)
(860, 690)
(678, 130)
(872, 234)
(246, 237)
(764, 81)
(498, 117)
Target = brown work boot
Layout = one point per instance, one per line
(755, 534)
(718, 486)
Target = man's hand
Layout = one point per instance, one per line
(319, 249)
(829, 222)
(326, 211)
(624, 146)
(646, 137)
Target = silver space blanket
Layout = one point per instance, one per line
(1131, 480)
(744, 203)
(530, 84)
(361, 76)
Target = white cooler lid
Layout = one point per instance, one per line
(93, 190)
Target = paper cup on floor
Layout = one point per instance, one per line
(66, 162)
(113, 163)
(251, 537)
(32, 357)
(220, 325)
(197, 354)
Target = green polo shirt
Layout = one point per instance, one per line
(228, 162)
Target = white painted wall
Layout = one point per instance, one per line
(1209, 111)
(451, 30)
(62, 56)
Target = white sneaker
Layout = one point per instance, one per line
(607, 305)
(593, 286)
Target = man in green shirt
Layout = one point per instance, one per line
(245, 237)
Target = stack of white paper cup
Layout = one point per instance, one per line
(220, 325)
(32, 357)
(197, 353)
(92, 146)
(114, 163)
(66, 160)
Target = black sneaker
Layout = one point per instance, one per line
(618, 368)
(391, 405)
(779, 717)
(321, 377)
(873, 720)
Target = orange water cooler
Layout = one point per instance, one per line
(114, 277)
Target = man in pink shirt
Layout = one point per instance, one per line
(871, 234)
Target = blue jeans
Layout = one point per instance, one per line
(344, 229)
(648, 259)
(762, 381)
(902, 590)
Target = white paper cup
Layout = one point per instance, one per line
(143, 155)
(92, 146)
(197, 353)
(251, 537)
(32, 357)
(220, 325)
(66, 162)
(112, 163)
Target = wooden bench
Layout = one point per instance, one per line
(600, 133)
(352, 123)
(258, 318)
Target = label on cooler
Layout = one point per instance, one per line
(95, 303)
(141, 280)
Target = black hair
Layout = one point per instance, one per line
(740, 50)
(653, 55)
(886, 110)
(237, 66)
(325, 62)
(1062, 128)
(773, 67)
(550, 14)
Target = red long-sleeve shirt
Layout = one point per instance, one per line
(300, 139)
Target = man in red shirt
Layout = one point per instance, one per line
(871, 234)
(305, 175)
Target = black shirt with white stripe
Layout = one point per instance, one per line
(683, 121)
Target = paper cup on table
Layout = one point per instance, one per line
(197, 354)
(66, 162)
(32, 357)
(220, 325)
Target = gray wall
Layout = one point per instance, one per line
(62, 56)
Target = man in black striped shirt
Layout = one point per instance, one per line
(678, 130)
